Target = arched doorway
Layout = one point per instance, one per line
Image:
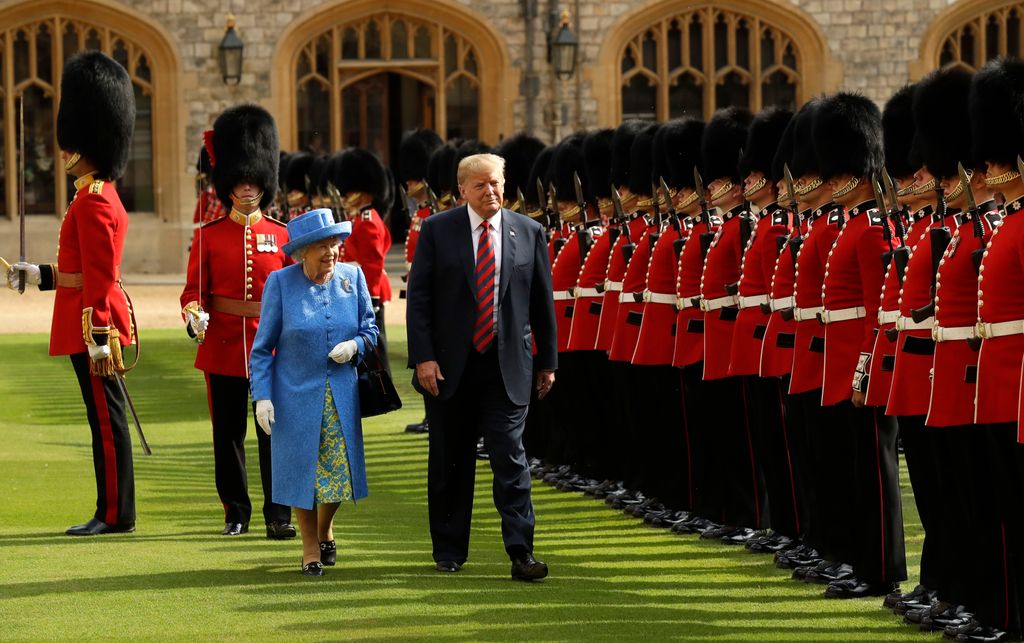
(969, 34)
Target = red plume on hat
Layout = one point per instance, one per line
(208, 144)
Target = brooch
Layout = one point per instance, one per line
(346, 284)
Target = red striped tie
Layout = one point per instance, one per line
(483, 330)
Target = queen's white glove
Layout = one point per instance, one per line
(265, 415)
(98, 353)
(344, 352)
(32, 276)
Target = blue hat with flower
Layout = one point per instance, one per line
(314, 226)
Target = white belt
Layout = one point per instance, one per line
(783, 302)
(807, 314)
(659, 297)
(752, 300)
(562, 295)
(952, 333)
(888, 317)
(999, 329)
(682, 303)
(708, 305)
(841, 315)
(908, 323)
(631, 297)
(587, 292)
(612, 285)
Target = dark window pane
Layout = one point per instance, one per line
(44, 53)
(675, 45)
(21, 71)
(349, 44)
(376, 116)
(93, 41)
(1013, 34)
(352, 107)
(650, 51)
(789, 57)
(120, 53)
(451, 55)
(70, 40)
(462, 109)
(992, 38)
(399, 40)
(627, 60)
(777, 90)
(946, 57)
(721, 43)
(142, 69)
(470, 63)
(743, 44)
(967, 46)
(39, 152)
(302, 67)
(686, 98)
(696, 42)
(767, 49)
(732, 92)
(372, 35)
(422, 43)
(323, 55)
(314, 114)
(136, 186)
(639, 99)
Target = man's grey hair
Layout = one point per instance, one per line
(478, 163)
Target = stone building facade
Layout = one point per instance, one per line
(481, 60)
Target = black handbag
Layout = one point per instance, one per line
(377, 393)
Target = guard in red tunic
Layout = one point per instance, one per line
(92, 318)
(848, 139)
(297, 183)
(414, 152)
(230, 261)
(208, 206)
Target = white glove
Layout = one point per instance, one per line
(344, 352)
(98, 353)
(265, 415)
(31, 274)
(199, 321)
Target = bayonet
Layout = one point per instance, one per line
(670, 207)
(620, 215)
(542, 198)
(707, 236)
(432, 200)
(405, 199)
(972, 208)
(580, 201)
(520, 201)
(656, 202)
(965, 184)
(886, 232)
(790, 189)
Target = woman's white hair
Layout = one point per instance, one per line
(478, 163)
(300, 253)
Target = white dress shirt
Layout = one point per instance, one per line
(495, 231)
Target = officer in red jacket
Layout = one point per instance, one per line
(297, 183)
(414, 151)
(92, 318)
(230, 261)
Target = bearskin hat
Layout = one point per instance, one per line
(724, 137)
(296, 172)
(641, 160)
(784, 151)
(848, 136)
(566, 161)
(898, 132)
(597, 153)
(318, 174)
(439, 166)
(763, 140)
(682, 146)
(539, 171)
(803, 160)
(466, 148)
(96, 117)
(622, 144)
(245, 149)
(519, 152)
(414, 152)
(942, 146)
(997, 111)
(359, 170)
(660, 168)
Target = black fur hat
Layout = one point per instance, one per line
(940, 115)
(466, 148)
(414, 152)
(898, 132)
(567, 160)
(997, 111)
(848, 136)
(245, 149)
(763, 140)
(539, 171)
(359, 170)
(297, 171)
(622, 144)
(660, 169)
(519, 152)
(641, 160)
(439, 166)
(682, 145)
(96, 117)
(803, 160)
(318, 174)
(724, 137)
(597, 154)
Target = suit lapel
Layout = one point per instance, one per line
(508, 251)
(463, 237)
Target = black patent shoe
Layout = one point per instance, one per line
(235, 529)
(280, 530)
(97, 527)
(856, 588)
(328, 553)
(314, 568)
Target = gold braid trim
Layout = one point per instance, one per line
(846, 189)
(1005, 177)
(722, 191)
(811, 186)
(688, 201)
(755, 188)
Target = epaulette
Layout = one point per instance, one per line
(96, 187)
(876, 217)
(993, 217)
(215, 221)
(365, 216)
(780, 217)
(835, 216)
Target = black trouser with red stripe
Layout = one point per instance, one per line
(925, 469)
(229, 411)
(832, 496)
(738, 469)
(706, 489)
(111, 445)
(775, 450)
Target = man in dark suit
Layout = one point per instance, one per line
(479, 297)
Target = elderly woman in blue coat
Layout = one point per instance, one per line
(316, 322)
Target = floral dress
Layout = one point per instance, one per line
(333, 476)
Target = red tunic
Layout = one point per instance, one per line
(414, 234)
(367, 245)
(613, 284)
(721, 269)
(564, 275)
(809, 343)
(631, 305)
(654, 345)
(689, 345)
(777, 348)
(234, 257)
(883, 354)
(587, 308)
(208, 208)
(955, 367)
(755, 280)
(90, 243)
(1001, 299)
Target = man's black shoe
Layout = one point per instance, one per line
(716, 533)
(420, 427)
(280, 530)
(528, 568)
(97, 527)
(893, 598)
(235, 528)
(912, 602)
(830, 574)
(741, 536)
(638, 510)
(448, 566)
(856, 588)
(328, 552)
(973, 630)
(314, 568)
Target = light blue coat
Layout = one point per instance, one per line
(300, 323)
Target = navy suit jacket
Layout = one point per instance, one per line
(441, 304)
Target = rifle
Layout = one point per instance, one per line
(938, 238)
(670, 208)
(582, 234)
(707, 236)
(886, 232)
(972, 211)
(619, 219)
(901, 255)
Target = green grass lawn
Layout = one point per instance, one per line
(177, 578)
